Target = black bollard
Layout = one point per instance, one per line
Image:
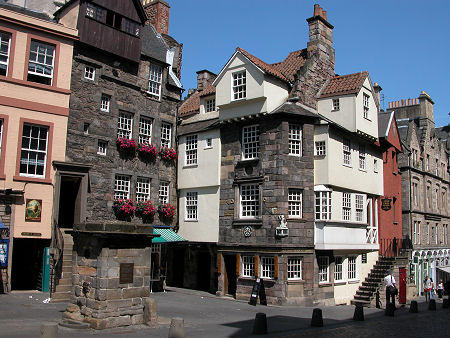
(359, 313)
(445, 303)
(390, 308)
(260, 324)
(413, 308)
(432, 305)
(317, 319)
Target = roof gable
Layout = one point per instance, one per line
(344, 85)
(191, 105)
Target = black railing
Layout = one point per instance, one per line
(394, 247)
(58, 249)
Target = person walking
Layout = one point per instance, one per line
(427, 288)
(440, 289)
(432, 289)
(391, 289)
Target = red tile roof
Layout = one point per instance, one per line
(191, 105)
(293, 62)
(345, 84)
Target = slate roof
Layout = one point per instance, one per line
(197, 126)
(153, 44)
(383, 123)
(293, 62)
(26, 11)
(345, 84)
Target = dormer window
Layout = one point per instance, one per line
(239, 85)
(335, 104)
(210, 105)
(366, 106)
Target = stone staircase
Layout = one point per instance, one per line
(64, 287)
(366, 292)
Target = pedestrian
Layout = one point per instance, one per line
(440, 289)
(391, 289)
(427, 288)
(432, 289)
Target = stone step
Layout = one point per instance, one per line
(364, 293)
(67, 275)
(368, 288)
(60, 297)
(63, 288)
(365, 298)
(360, 302)
(67, 268)
(65, 281)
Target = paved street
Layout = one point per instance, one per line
(22, 313)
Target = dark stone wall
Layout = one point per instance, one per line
(126, 83)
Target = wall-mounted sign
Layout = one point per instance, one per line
(4, 243)
(386, 204)
(31, 234)
(247, 231)
(33, 210)
(126, 273)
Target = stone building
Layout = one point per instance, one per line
(425, 188)
(121, 131)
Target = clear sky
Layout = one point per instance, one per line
(404, 44)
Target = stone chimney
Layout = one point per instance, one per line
(377, 88)
(158, 14)
(320, 33)
(204, 78)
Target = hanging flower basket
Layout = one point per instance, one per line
(147, 151)
(166, 212)
(126, 145)
(168, 154)
(145, 210)
(124, 209)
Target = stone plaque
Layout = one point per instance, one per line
(126, 273)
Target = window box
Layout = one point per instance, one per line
(145, 210)
(166, 212)
(147, 152)
(124, 209)
(126, 146)
(168, 154)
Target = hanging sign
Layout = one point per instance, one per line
(33, 209)
(386, 204)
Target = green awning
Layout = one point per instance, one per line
(166, 236)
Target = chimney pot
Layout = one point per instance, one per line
(158, 12)
(316, 9)
(324, 14)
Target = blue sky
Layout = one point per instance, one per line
(404, 44)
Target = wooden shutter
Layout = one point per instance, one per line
(219, 263)
(238, 264)
(256, 261)
(275, 274)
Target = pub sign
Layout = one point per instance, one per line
(386, 204)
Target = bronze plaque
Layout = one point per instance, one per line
(126, 273)
(386, 204)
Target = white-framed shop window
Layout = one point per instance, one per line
(267, 267)
(248, 266)
(324, 266)
(352, 267)
(294, 268)
(338, 269)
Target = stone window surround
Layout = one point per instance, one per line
(145, 130)
(295, 139)
(89, 72)
(323, 263)
(250, 139)
(267, 266)
(102, 147)
(295, 265)
(295, 203)
(166, 134)
(164, 192)
(248, 266)
(143, 189)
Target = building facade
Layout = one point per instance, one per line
(425, 188)
(35, 78)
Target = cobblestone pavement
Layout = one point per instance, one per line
(206, 315)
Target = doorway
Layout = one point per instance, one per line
(230, 275)
(203, 270)
(69, 201)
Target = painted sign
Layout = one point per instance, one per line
(386, 204)
(33, 210)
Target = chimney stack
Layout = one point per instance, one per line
(377, 88)
(204, 78)
(158, 14)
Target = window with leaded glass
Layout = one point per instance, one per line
(5, 43)
(359, 207)
(210, 105)
(295, 139)
(239, 85)
(250, 142)
(338, 269)
(346, 148)
(41, 62)
(163, 192)
(346, 206)
(191, 206)
(267, 267)
(166, 134)
(294, 268)
(248, 266)
(122, 187)
(33, 154)
(145, 130)
(249, 198)
(191, 149)
(154, 81)
(323, 205)
(295, 203)
(125, 125)
(323, 263)
(142, 189)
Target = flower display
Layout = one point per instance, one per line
(126, 143)
(147, 151)
(124, 208)
(166, 211)
(145, 209)
(168, 154)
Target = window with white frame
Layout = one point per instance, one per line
(191, 150)
(239, 85)
(320, 149)
(428, 233)
(5, 43)
(208, 143)
(352, 267)
(359, 207)
(125, 125)
(415, 187)
(366, 106)
(166, 134)
(89, 73)
(154, 81)
(122, 187)
(267, 267)
(210, 105)
(419, 226)
(436, 233)
(163, 192)
(250, 142)
(338, 269)
(33, 155)
(94, 11)
(375, 165)
(41, 62)
(102, 147)
(323, 263)
(142, 189)
(294, 268)
(249, 200)
(104, 103)
(415, 232)
(191, 206)
(362, 157)
(295, 203)
(346, 206)
(335, 104)
(248, 266)
(145, 130)
(295, 139)
(323, 205)
(346, 148)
